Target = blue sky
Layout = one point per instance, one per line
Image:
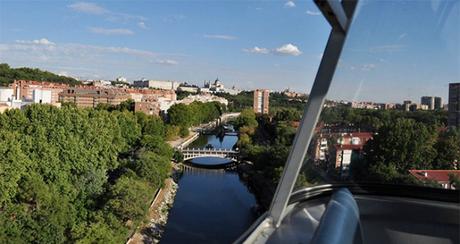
(250, 44)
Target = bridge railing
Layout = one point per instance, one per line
(207, 150)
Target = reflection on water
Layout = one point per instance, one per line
(210, 206)
(222, 142)
(209, 161)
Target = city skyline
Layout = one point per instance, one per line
(247, 44)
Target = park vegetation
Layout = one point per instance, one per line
(278, 101)
(78, 175)
(181, 116)
(8, 75)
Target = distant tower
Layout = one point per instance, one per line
(261, 101)
(429, 101)
(437, 103)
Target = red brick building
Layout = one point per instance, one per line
(139, 94)
(340, 149)
(150, 108)
(90, 97)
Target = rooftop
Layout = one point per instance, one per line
(436, 175)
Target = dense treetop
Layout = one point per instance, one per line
(78, 175)
(278, 101)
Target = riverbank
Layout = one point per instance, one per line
(158, 215)
(163, 201)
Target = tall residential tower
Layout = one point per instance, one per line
(433, 103)
(261, 98)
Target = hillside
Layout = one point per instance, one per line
(8, 75)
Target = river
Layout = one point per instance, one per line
(210, 206)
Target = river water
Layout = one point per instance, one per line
(210, 206)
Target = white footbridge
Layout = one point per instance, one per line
(191, 153)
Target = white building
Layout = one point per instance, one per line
(6, 94)
(121, 79)
(218, 87)
(157, 84)
(205, 90)
(41, 96)
(232, 91)
(190, 89)
(102, 83)
(204, 98)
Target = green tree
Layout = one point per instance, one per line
(153, 167)
(67, 174)
(129, 198)
(287, 115)
(151, 125)
(454, 180)
(179, 114)
(156, 144)
(397, 147)
(448, 149)
(247, 118)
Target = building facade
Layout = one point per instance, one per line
(454, 104)
(432, 103)
(24, 89)
(157, 84)
(261, 101)
(6, 94)
(91, 97)
(147, 107)
(438, 103)
(340, 149)
(139, 94)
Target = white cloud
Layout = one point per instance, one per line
(142, 25)
(259, 50)
(167, 62)
(313, 13)
(95, 9)
(288, 49)
(82, 60)
(42, 41)
(367, 67)
(104, 31)
(44, 47)
(402, 36)
(289, 4)
(88, 8)
(222, 37)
